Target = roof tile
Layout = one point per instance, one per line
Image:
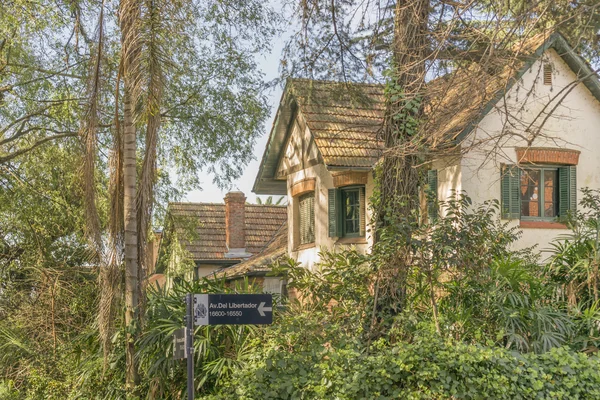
(201, 227)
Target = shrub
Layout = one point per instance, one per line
(426, 369)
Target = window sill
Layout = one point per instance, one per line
(351, 240)
(305, 246)
(542, 225)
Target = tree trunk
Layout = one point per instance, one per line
(399, 179)
(131, 236)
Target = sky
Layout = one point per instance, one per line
(210, 193)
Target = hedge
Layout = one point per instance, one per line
(428, 370)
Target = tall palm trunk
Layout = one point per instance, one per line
(131, 235)
(129, 21)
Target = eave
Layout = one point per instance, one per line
(266, 182)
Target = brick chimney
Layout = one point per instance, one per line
(235, 225)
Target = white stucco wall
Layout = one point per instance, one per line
(574, 124)
(449, 178)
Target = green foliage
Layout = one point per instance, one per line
(269, 201)
(339, 286)
(573, 269)
(47, 279)
(428, 368)
(407, 118)
(218, 350)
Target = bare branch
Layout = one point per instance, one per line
(40, 142)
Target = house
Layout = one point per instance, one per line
(200, 239)
(320, 153)
(523, 131)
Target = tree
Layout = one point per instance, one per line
(423, 41)
(269, 201)
(71, 69)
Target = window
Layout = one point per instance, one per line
(541, 193)
(351, 212)
(306, 205)
(347, 212)
(274, 285)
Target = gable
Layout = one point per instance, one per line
(541, 114)
(555, 46)
(300, 150)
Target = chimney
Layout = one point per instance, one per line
(235, 225)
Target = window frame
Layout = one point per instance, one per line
(541, 192)
(343, 193)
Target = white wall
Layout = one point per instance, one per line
(575, 124)
(449, 177)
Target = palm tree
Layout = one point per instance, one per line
(269, 201)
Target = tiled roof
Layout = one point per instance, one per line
(343, 118)
(201, 227)
(346, 131)
(457, 101)
(275, 250)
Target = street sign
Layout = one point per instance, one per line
(233, 309)
(179, 344)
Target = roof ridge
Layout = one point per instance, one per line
(223, 204)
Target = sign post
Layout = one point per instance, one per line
(189, 333)
(217, 309)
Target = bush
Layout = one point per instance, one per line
(426, 369)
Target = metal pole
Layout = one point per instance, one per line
(189, 302)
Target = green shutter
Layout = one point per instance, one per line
(509, 188)
(567, 187)
(432, 194)
(334, 210)
(362, 211)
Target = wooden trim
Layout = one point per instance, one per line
(351, 240)
(286, 139)
(303, 186)
(304, 246)
(347, 178)
(543, 155)
(298, 167)
(542, 225)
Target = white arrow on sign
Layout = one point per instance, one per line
(262, 309)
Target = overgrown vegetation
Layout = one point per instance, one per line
(481, 320)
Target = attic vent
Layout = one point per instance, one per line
(547, 74)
